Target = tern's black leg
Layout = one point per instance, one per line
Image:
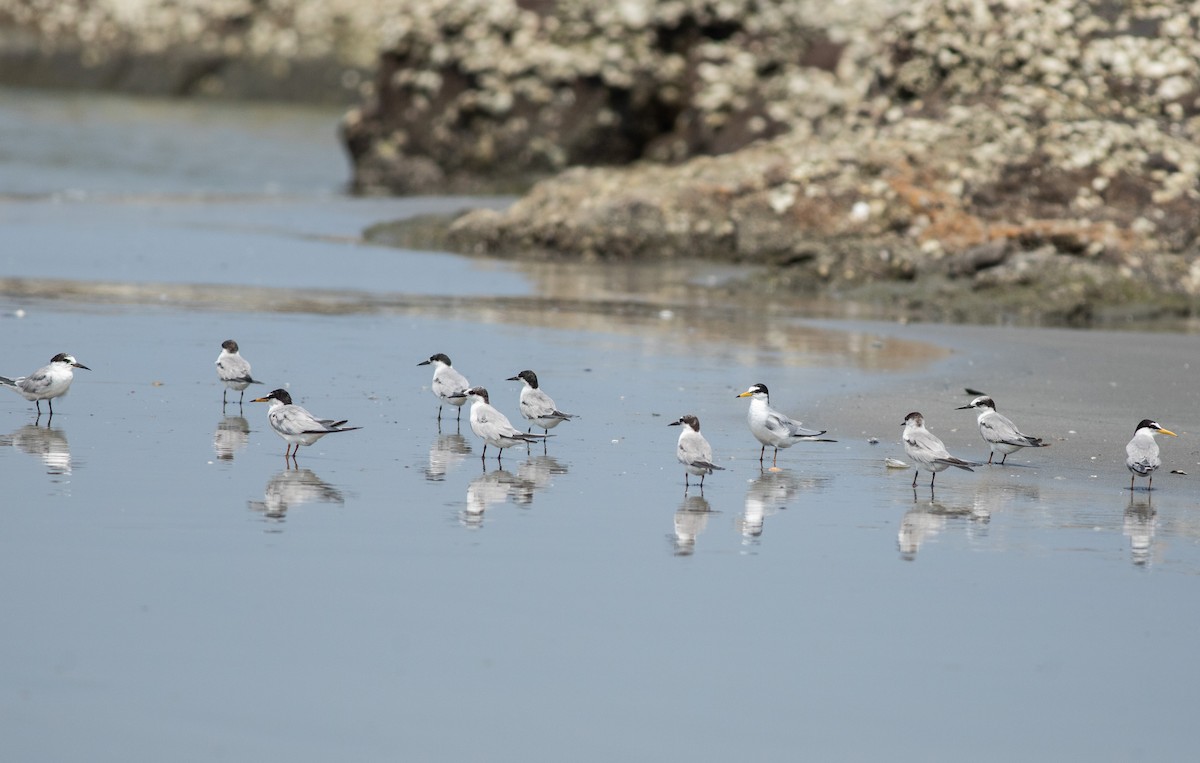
(916, 473)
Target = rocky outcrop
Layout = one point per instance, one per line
(1002, 145)
(489, 93)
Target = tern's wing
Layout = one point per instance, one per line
(496, 423)
(292, 419)
(928, 443)
(234, 368)
(536, 404)
(36, 382)
(450, 383)
(1142, 457)
(695, 450)
(785, 426)
(998, 428)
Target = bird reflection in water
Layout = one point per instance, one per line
(769, 493)
(446, 451)
(1141, 522)
(232, 435)
(292, 487)
(540, 471)
(690, 520)
(927, 518)
(491, 488)
(47, 443)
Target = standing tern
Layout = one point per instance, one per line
(448, 384)
(234, 371)
(927, 451)
(1001, 435)
(1141, 454)
(295, 424)
(493, 427)
(693, 450)
(536, 406)
(46, 383)
(770, 427)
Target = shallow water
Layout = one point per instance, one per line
(176, 591)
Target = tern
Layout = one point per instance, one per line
(234, 371)
(1001, 435)
(493, 427)
(536, 406)
(1141, 454)
(770, 427)
(693, 450)
(448, 384)
(46, 383)
(295, 424)
(927, 451)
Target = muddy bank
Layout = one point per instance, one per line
(813, 286)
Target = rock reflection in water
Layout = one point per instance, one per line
(447, 450)
(232, 435)
(1141, 522)
(690, 520)
(47, 443)
(292, 487)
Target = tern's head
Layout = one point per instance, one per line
(529, 377)
(914, 419)
(480, 393)
(280, 394)
(687, 420)
(755, 391)
(983, 401)
(440, 358)
(63, 357)
(229, 346)
(1153, 427)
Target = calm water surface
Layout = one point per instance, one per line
(174, 590)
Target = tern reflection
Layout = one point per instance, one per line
(540, 471)
(292, 487)
(690, 520)
(233, 432)
(447, 451)
(491, 488)
(47, 443)
(929, 517)
(1141, 522)
(769, 493)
